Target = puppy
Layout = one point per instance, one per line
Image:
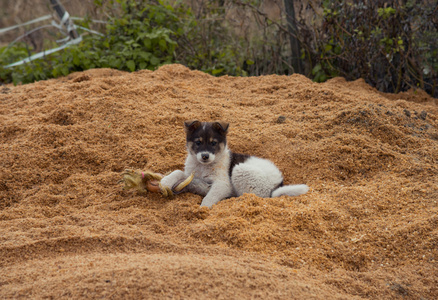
(220, 173)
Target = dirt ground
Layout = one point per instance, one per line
(368, 228)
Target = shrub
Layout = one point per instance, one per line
(393, 46)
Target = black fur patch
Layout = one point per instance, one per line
(235, 159)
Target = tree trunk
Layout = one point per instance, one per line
(293, 36)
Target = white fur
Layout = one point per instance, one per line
(211, 158)
(290, 190)
(173, 178)
(256, 175)
(215, 173)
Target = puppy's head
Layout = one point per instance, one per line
(206, 140)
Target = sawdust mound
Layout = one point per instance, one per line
(368, 228)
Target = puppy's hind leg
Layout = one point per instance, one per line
(259, 179)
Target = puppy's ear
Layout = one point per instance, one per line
(221, 126)
(191, 125)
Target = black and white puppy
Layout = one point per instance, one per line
(220, 173)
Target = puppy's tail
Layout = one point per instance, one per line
(290, 190)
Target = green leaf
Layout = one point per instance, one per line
(145, 55)
(131, 65)
(163, 45)
(155, 61)
(216, 71)
(316, 69)
(147, 43)
(76, 59)
(115, 62)
(64, 70)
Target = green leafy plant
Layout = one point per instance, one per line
(139, 37)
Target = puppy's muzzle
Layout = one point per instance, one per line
(205, 157)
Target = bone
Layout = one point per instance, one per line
(185, 183)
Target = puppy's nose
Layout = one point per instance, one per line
(205, 156)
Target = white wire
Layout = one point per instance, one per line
(24, 35)
(70, 26)
(89, 30)
(43, 18)
(44, 53)
(94, 21)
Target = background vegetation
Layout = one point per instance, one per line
(393, 45)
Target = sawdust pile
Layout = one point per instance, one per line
(368, 228)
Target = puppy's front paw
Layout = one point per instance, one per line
(209, 201)
(173, 179)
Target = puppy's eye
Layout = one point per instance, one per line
(213, 143)
(197, 143)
